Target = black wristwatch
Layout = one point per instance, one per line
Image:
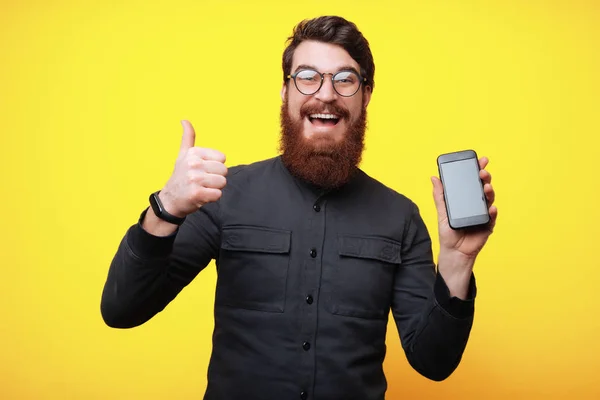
(160, 211)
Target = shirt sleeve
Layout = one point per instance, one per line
(454, 306)
(434, 328)
(148, 272)
(147, 246)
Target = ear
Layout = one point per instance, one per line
(367, 96)
(283, 91)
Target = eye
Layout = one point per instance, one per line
(345, 78)
(308, 76)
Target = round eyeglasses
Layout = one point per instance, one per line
(309, 81)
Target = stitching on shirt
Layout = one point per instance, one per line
(381, 253)
(131, 252)
(231, 241)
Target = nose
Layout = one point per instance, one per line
(327, 93)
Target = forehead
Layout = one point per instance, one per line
(325, 57)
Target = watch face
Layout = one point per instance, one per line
(157, 202)
(160, 211)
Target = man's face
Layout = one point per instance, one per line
(322, 133)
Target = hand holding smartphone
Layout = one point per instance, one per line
(466, 204)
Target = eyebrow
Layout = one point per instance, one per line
(342, 68)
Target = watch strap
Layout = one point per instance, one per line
(160, 211)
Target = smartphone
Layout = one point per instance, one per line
(466, 204)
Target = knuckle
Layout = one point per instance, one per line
(195, 151)
(192, 177)
(191, 198)
(194, 163)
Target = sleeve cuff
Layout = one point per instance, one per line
(454, 306)
(145, 245)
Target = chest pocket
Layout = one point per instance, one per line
(363, 276)
(253, 268)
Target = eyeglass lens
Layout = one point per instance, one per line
(346, 83)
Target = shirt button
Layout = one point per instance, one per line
(303, 395)
(306, 346)
(309, 299)
(317, 207)
(313, 252)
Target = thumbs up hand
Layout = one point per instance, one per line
(197, 179)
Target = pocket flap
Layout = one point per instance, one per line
(376, 248)
(255, 238)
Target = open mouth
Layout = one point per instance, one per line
(324, 119)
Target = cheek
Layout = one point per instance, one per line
(355, 109)
(294, 107)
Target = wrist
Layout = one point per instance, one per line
(156, 226)
(168, 201)
(456, 269)
(161, 212)
(455, 260)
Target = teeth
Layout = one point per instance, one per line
(324, 116)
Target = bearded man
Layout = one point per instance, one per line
(312, 254)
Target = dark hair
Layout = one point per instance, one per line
(334, 30)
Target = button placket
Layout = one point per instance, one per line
(316, 222)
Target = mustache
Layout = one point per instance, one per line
(338, 110)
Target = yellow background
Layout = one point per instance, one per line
(91, 95)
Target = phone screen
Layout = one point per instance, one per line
(463, 189)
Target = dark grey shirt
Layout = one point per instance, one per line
(306, 281)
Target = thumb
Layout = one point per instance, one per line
(189, 137)
(438, 197)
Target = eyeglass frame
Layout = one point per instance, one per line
(361, 80)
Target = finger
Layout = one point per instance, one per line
(493, 217)
(199, 165)
(483, 162)
(208, 195)
(208, 180)
(215, 181)
(490, 194)
(485, 176)
(208, 154)
(214, 167)
(438, 198)
(189, 137)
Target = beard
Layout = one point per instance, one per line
(321, 161)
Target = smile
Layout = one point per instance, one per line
(324, 119)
